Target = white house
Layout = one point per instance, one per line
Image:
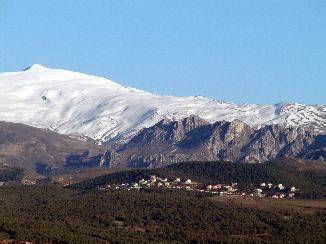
(153, 178)
(216, 187)
(280, 186)
(167, 184)
(291, 195)
(259, 190)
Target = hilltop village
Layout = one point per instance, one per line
(233, 189)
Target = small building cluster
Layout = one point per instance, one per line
(154, 181)
(276, 191)
(262, 190)
(27, 182)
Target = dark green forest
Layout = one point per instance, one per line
(55, 213)
(82, 213)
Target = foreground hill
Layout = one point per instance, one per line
(74, 103)
(87, 213)
(309, 176)
(37, 149)
(43, 213)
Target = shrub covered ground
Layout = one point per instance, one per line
(55, 213)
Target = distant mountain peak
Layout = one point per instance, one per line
(86, 105)
(35, 67)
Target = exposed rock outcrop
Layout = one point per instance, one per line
(195, 139)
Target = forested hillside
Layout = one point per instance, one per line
(55, 213)
(311, 181)
(10, 174)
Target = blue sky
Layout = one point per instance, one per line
(250, 51)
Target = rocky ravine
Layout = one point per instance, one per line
(194, 139)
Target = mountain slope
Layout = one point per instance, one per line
(31, 148)
(74, 103)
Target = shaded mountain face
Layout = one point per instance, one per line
(40, 150)
(189, 139)
(193, 139)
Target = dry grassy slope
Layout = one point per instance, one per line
(24, 146)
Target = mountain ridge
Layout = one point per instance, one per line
(194, 139)
(167, 142)
(74, 103)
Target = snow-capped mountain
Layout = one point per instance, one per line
(79, 104)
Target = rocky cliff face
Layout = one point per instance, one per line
(189, 139)
(193, 138)
(168, 131)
